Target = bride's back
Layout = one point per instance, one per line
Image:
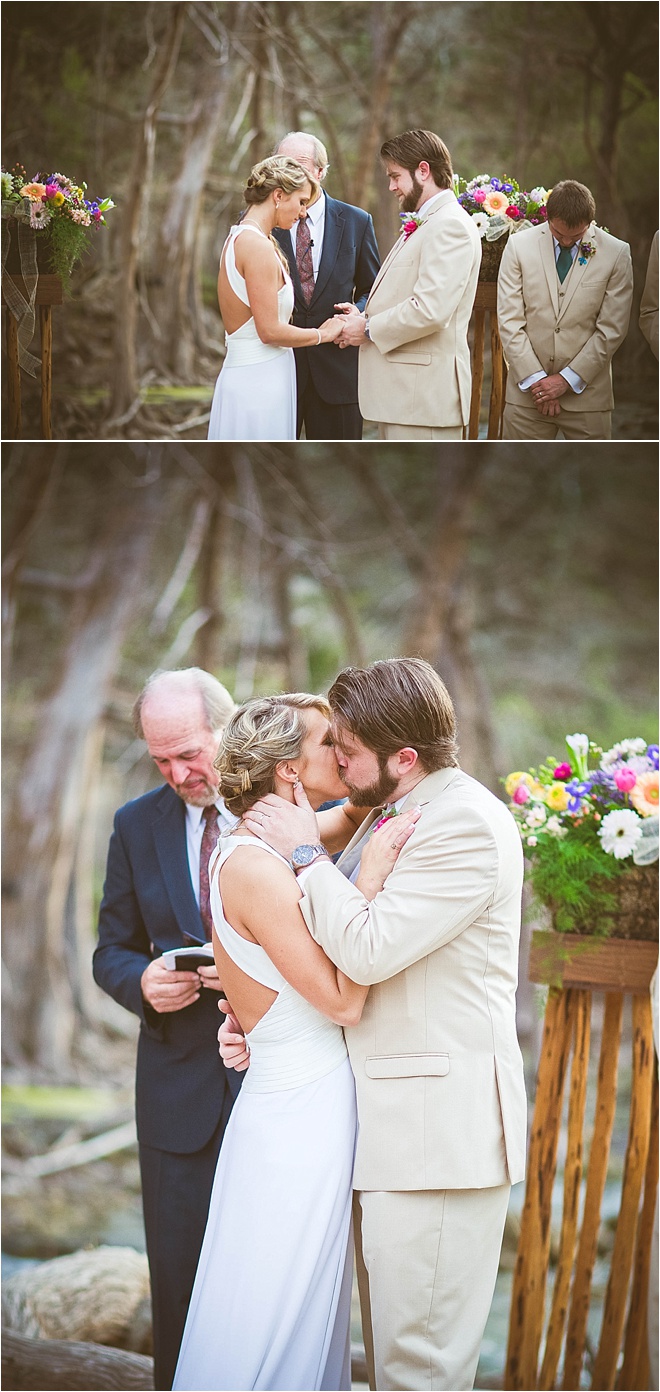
(247, 261)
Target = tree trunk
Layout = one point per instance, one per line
(212, 566)
(60, 1364)
(48, 817)
(125, 374)
(178, 304)
(33, 476)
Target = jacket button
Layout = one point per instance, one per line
(557, 328)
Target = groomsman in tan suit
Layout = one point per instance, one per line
(441, 1096)
(414, 375)
(564, 294)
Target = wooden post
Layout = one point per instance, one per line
(46, 326)
(636, 1156)
(635, 1368)
(497, 386)
(528, 1294)
(598, 1158)
(572, 1181)
(477, 372)
(49, 293)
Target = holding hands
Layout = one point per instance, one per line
(352, 325)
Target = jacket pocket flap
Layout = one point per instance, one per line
(407, 1066)
(417, 359)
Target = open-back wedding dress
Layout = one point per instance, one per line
(255, 394)
(270, 1307)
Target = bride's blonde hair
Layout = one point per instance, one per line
(260, 735)
(277, 172)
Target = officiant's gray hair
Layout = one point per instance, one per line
(217, 704)
(319, 152)
(397, 703)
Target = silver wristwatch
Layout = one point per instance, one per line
(366, 327)
(305, 854)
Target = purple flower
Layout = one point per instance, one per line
(495, 183)
(652, 754)
(507, 188)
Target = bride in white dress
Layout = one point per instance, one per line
(270, 1306)
(255, 394)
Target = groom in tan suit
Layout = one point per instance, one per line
(414, 375)
(564, 294)
(441, 1096)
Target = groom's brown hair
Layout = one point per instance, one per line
(398, 703)
(413, 146)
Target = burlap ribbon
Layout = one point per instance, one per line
(22, 308)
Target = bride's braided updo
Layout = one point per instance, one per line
(277, 172)
(260, 735)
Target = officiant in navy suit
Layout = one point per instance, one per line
(156, 896)
(333, 258)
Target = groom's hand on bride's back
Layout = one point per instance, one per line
(234, 1050)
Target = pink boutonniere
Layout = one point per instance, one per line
(409, 224)
(385, 818)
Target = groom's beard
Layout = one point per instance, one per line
(410, 202)
(375, 794)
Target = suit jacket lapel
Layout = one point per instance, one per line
(169, 829)
(576, 273)
(550, 266)
(332, 234)
(429, 788)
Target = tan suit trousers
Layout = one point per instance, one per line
(427, 1262)
(387, 431)
(525, 423)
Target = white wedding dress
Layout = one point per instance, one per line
(270, 1306)
(255, 394)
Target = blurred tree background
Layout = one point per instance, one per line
(166, 106)
(526, 576)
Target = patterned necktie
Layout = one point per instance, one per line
(304, 259)
(564, 263)
(209, 842)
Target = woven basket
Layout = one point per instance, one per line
(491, 255)
(637, 905)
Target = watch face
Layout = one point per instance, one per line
(304, 854)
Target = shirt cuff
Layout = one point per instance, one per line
(304, 874)
(529, 381)
(573, 379)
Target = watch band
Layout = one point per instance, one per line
(305, 854)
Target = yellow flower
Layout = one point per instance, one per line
(57, 199)
(557, 797)
(515, 779)
(35, 192)
(496, 202)
(644, 795)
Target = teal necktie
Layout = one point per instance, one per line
(564, 263)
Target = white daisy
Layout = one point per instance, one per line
(482, 220)
(620, 832)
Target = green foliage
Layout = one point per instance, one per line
(68, 243)
(575, 879)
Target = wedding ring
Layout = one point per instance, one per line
(393, 845)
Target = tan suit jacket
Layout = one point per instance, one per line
(416, 369)
(648, 309)
(545, 325)
(438, 1069)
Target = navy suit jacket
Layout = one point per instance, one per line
(148, 903)
(349, 265)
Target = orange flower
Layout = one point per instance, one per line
(35, 192)
(496, 202)
(644, 795)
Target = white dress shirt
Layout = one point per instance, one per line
(573, 378)
(195, 832)
(316, 220)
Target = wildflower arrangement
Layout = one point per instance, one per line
(57, 206)
(498, 206)
(584, 822)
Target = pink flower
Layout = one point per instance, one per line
(563, 772)
(513, 211)
(521, 795)
(479, 196)
(97, 215)
(51, 190)
(625, 779)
